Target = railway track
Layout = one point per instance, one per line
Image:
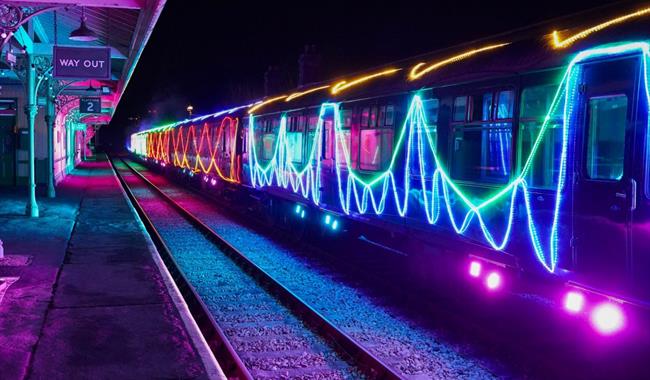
(256, 327)
(411, 351)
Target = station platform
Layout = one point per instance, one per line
(83, 293)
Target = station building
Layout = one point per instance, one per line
(33, 84)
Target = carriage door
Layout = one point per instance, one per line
(605, 191)
(327, 175)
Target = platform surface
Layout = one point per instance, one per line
(83, 297)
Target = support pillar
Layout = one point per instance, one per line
(49, 122)
(31, 109)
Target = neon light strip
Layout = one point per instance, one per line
(417, 72)
(280, 171)
(302, 93)
(344, 84)
(559, 44)
(158, 144)
(194, 120)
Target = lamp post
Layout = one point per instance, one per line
(49, 124)
(31, 109)
(190, 109)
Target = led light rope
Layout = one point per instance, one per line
(158, 145)
(358, 194)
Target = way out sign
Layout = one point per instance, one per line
(82, 62)
(90, 104)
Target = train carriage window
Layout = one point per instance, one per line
(343, 139)
(390, 116)
(373, 117)
(376, 147)
(429, 135)
(269, 138)
(365, 117)
(460, 108)
(376, 137)
(312, 124)
(505, 103)
(295, 138)
(606, 137)
(486, 113)
(482, 150)
(543, 169)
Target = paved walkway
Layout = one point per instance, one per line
(84, 296)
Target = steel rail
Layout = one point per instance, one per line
(228, 359)
(368, 363)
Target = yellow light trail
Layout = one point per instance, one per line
(344, 84)
(559, 44)
(416, 73)
(257, 106)
(301, 93)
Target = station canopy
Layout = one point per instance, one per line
(120, 27)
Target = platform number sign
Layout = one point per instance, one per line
(90, 105)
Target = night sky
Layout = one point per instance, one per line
(213, 54)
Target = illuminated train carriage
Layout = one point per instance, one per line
(532, 150)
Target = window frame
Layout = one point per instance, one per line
(378, 125)
(472, 122)
(529, 119)
(587, 136)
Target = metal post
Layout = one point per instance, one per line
(83, 145)
(31, 109)
(49, 121)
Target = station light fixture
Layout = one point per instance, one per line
(83, 33)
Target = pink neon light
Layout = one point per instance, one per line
(493, 281)
(574, 302)
(607, 318)
(475, 269)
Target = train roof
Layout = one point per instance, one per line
(547, 45)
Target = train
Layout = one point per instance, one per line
(525, 155)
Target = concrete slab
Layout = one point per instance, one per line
(109, 284)
(92, 302)
(115, 343)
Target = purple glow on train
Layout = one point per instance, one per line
(607, 318)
